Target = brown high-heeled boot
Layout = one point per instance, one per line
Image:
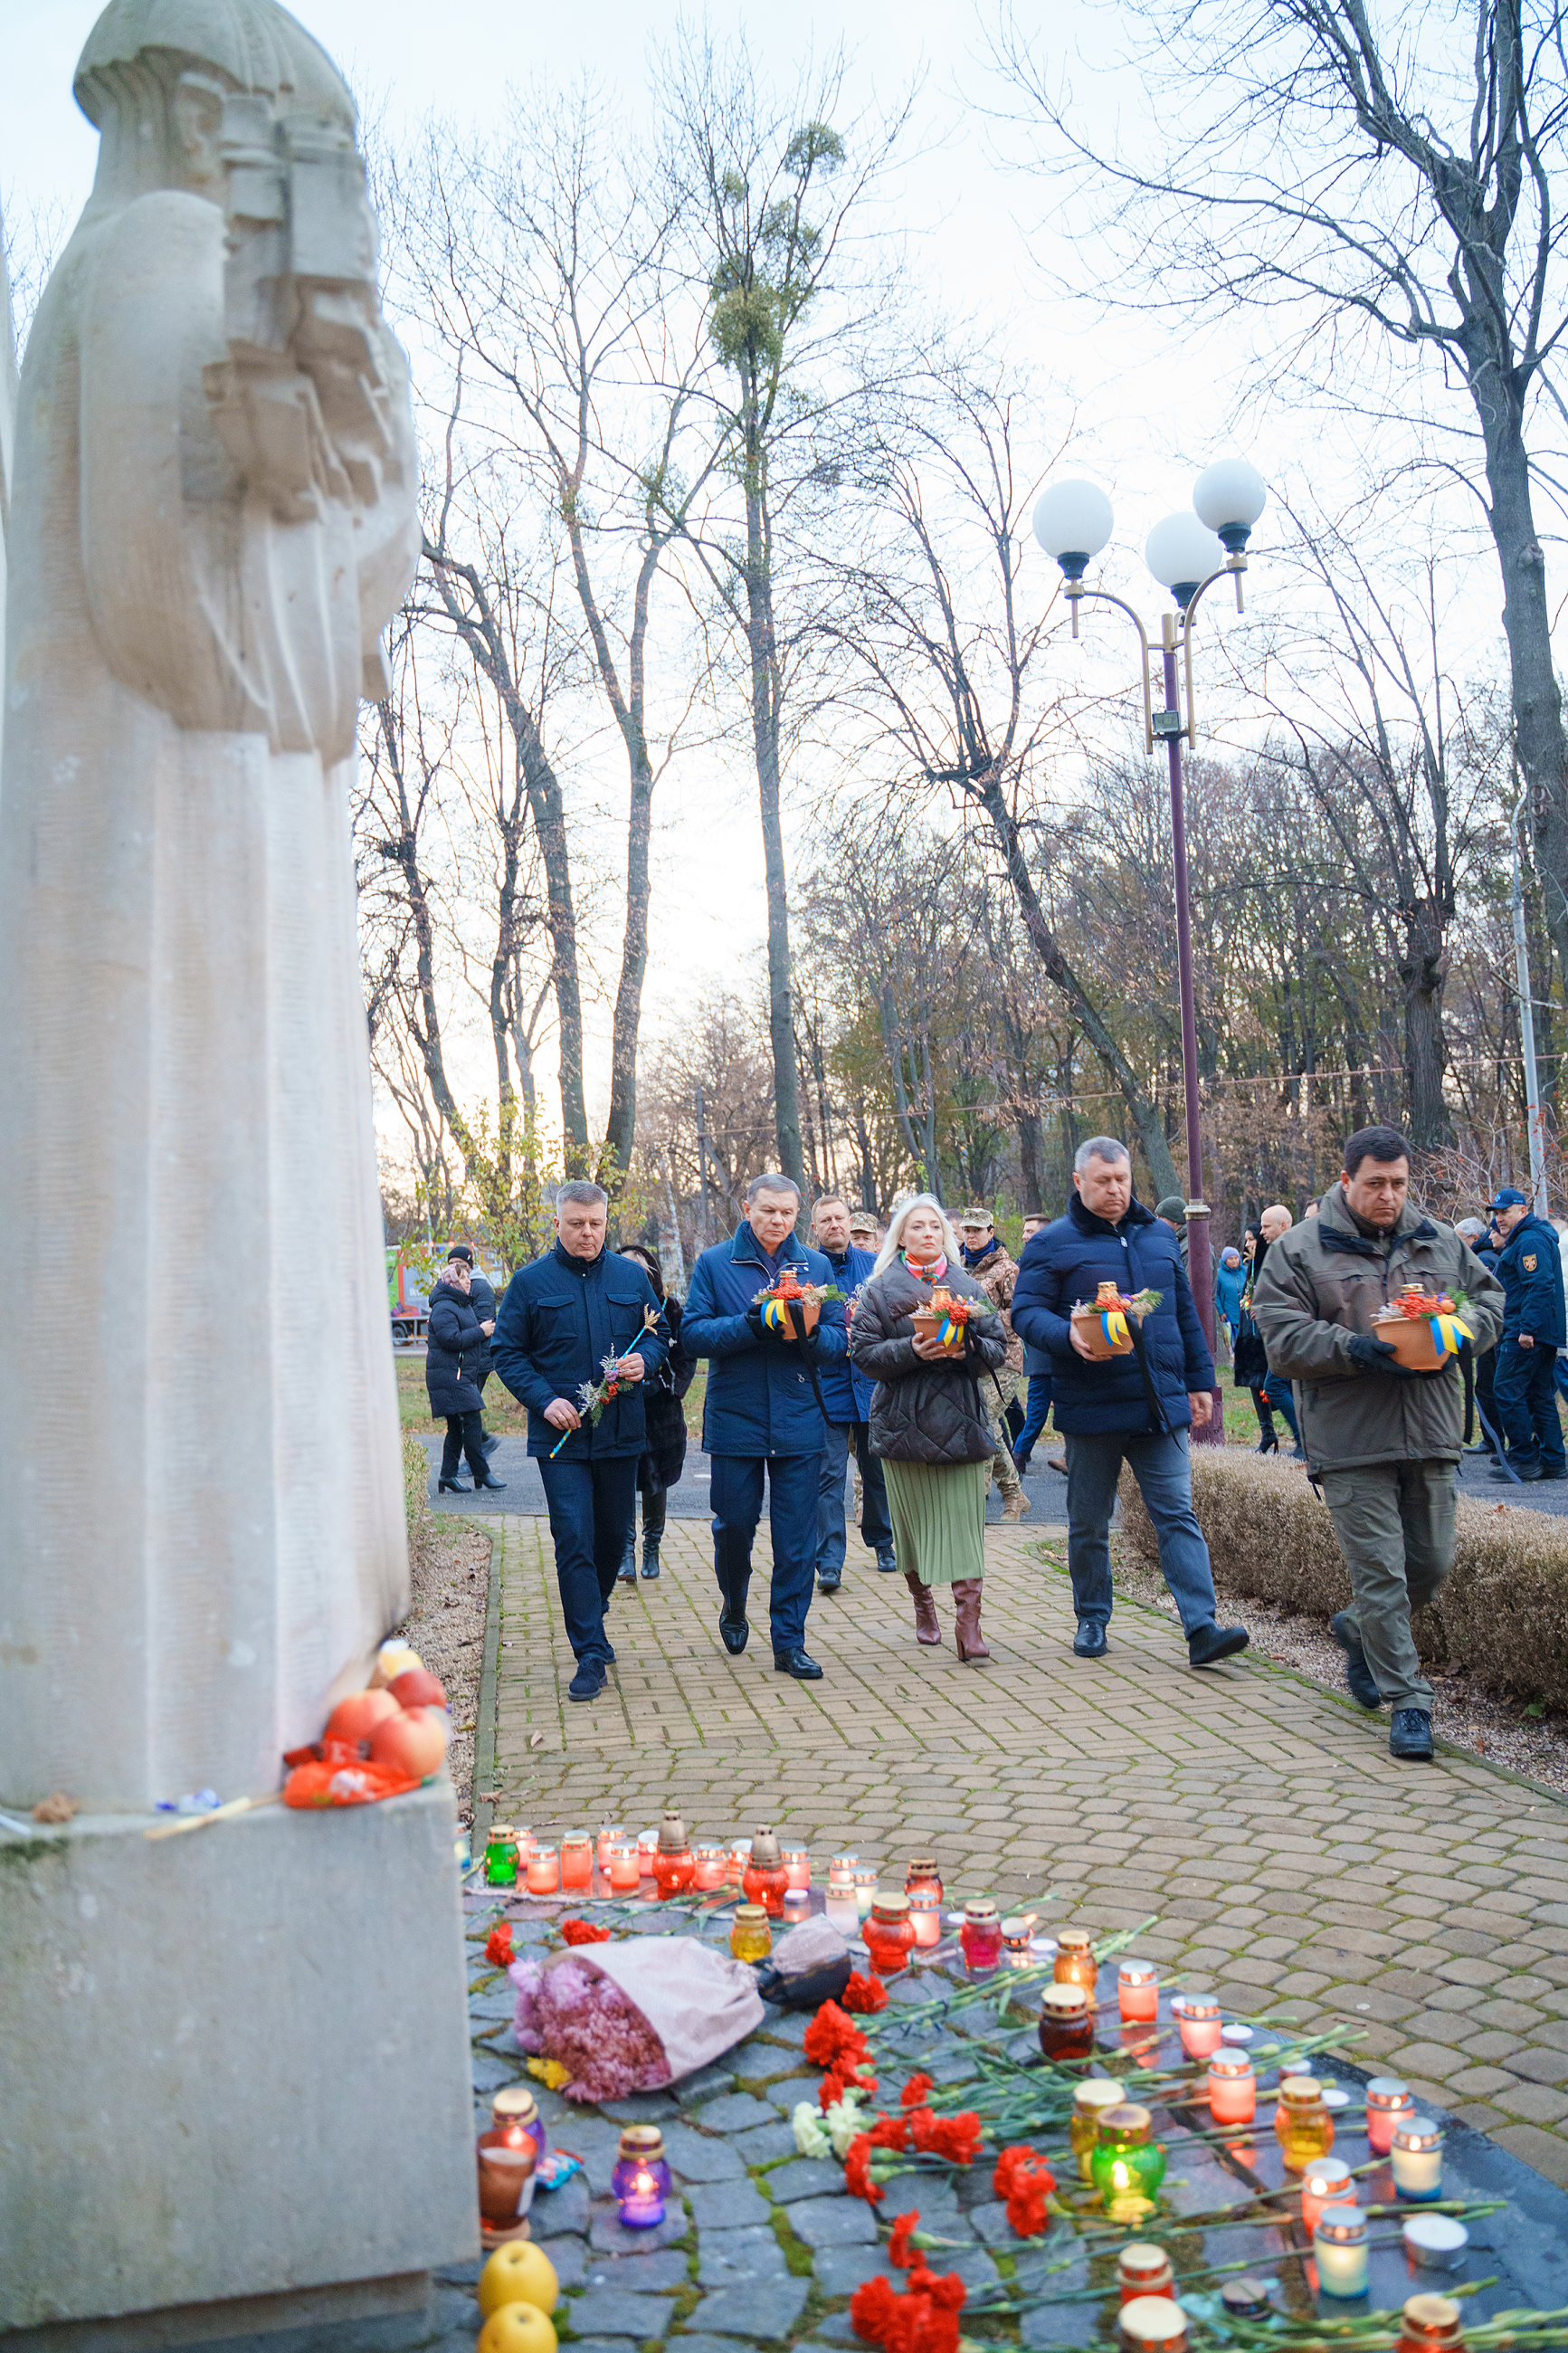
(926, 1627)
(972, 1647)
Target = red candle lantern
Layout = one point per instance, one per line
(980, 1938)
(674, 1865)
(765, 1879)
(890, 1934)
(577, 1859)
(1232, 2088)
(1138, 1993)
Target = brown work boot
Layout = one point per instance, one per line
(1014, 1505)
(926, 1627)
(972, 1647)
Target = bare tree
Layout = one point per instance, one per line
(1304, 164)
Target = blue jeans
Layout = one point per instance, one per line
(876, 1527)
(1037, 1405)
(1276, 1389)
(1525, 1388)
(591, 1506)
(736, 1490)
(1164, 1477)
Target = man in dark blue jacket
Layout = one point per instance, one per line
(560, 1320)
(1529, 1269)
(1134, 1409)
(764, 1413)
(846, 1394)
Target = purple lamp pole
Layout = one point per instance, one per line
(1186, 554)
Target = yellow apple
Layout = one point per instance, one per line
(519, 2273)
(517, 2328)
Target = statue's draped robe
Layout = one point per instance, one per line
(201, 1517)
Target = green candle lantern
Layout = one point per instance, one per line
(1126, 2165)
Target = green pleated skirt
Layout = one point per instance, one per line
(938, 1512)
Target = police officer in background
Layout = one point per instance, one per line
(1529, 1269)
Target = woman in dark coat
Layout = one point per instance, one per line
(664, 1417)
(456, 1347)
(929, 1423)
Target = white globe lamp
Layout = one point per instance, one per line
(1072, 523)
(1181, 552)
(1229, 496)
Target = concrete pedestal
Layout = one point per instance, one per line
(236, 2071)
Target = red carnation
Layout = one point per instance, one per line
(914, 2091)
(955, 2138)
(904, 2229)
(871, 2310)
(858, 2171)
(582, 1932)
(891, 2132)
(833, 2038)
(498, 1945)
(865, 1996)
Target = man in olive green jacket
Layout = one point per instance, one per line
(1382, 1441)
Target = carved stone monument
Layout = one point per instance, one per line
(242, 2056)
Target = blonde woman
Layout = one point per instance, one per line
(929, 1423)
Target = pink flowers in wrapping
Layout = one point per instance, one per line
(590, 2026)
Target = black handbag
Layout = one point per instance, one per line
(1251, 1362)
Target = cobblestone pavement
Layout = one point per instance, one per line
(1289, 1858)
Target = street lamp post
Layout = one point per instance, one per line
(1186, 554)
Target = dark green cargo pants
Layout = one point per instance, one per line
(1395, 1522)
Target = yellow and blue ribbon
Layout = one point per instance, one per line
(947, 1332)
(1113, 1323)
(1450, 1334)
(775, 1316)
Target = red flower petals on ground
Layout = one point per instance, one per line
(923, 2320)
(904, 2228)
(583, 1932)
(955, 2138)
(914, 2092)
(833, 2039)
(1024, 2179)
(498, 1945)
(891, 2132)
(865, 1996)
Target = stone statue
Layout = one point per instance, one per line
(214, 516)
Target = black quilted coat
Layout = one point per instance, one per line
(926, 1412)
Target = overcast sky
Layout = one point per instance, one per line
(1149, 415)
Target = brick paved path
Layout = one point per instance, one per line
(1288, 1858)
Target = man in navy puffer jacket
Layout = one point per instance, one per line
(1134, 1409)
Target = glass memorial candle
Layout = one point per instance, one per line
(865, 1888)
(1067, 2022)
(1017, 1952)
(1428, 2323)
(925, 1911)
(648, 1847)
(1302, 2125)
(739, 1856)
(922, 1878)
(1137, 1993)
(514, 2112)
(889, 1933)
(1418, 2157)
(608, 1833)
(577, 1859)
(1198, 2023)
(1075, 1963)
(543, 1869)
(796, 1906)
(765, 1878)
(506, 2161)
(1325, 2182)
(1142, 2269)
(797, 1862)
(980, 1938)
(1434, 2241)
(842, 1908)
(624, 1869)
(1388, 2101)
(501, 1856)
(1152, 2324)
(710, 1866)
(641, 2181)
(1232, 2088)
(1246, 2298)
(1089, 2102)
(1339, 2242)
(1126, 2165)
(674, 1865)
(1233, 2033)
(751, 1938)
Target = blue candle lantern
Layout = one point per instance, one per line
(641, 2181)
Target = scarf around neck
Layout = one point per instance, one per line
(925, 1269)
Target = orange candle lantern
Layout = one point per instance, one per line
(577, 1859)
(1138, 1993)
(797, 1862)
(1075, 1963)
(1232, 2088)
(1198, 2023)
(624, 1867)
(765, 1880)
(674, 1865)
(708, 1862)
(544, 1870)
(1143, 2270)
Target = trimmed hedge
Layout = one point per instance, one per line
(1503, 1613)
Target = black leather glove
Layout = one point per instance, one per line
(1371, 1355)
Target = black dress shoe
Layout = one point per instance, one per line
(1207, 1645)
(1089, 1641)
(1358, 1674)
(1555, 1475)
(1528, 1471)
(887, 1561)
(588, 1682)
(831, 1582)
(451, 1487)
(1410, 1735)
(733, 1632)
(798, 1663)
(490, 1486)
